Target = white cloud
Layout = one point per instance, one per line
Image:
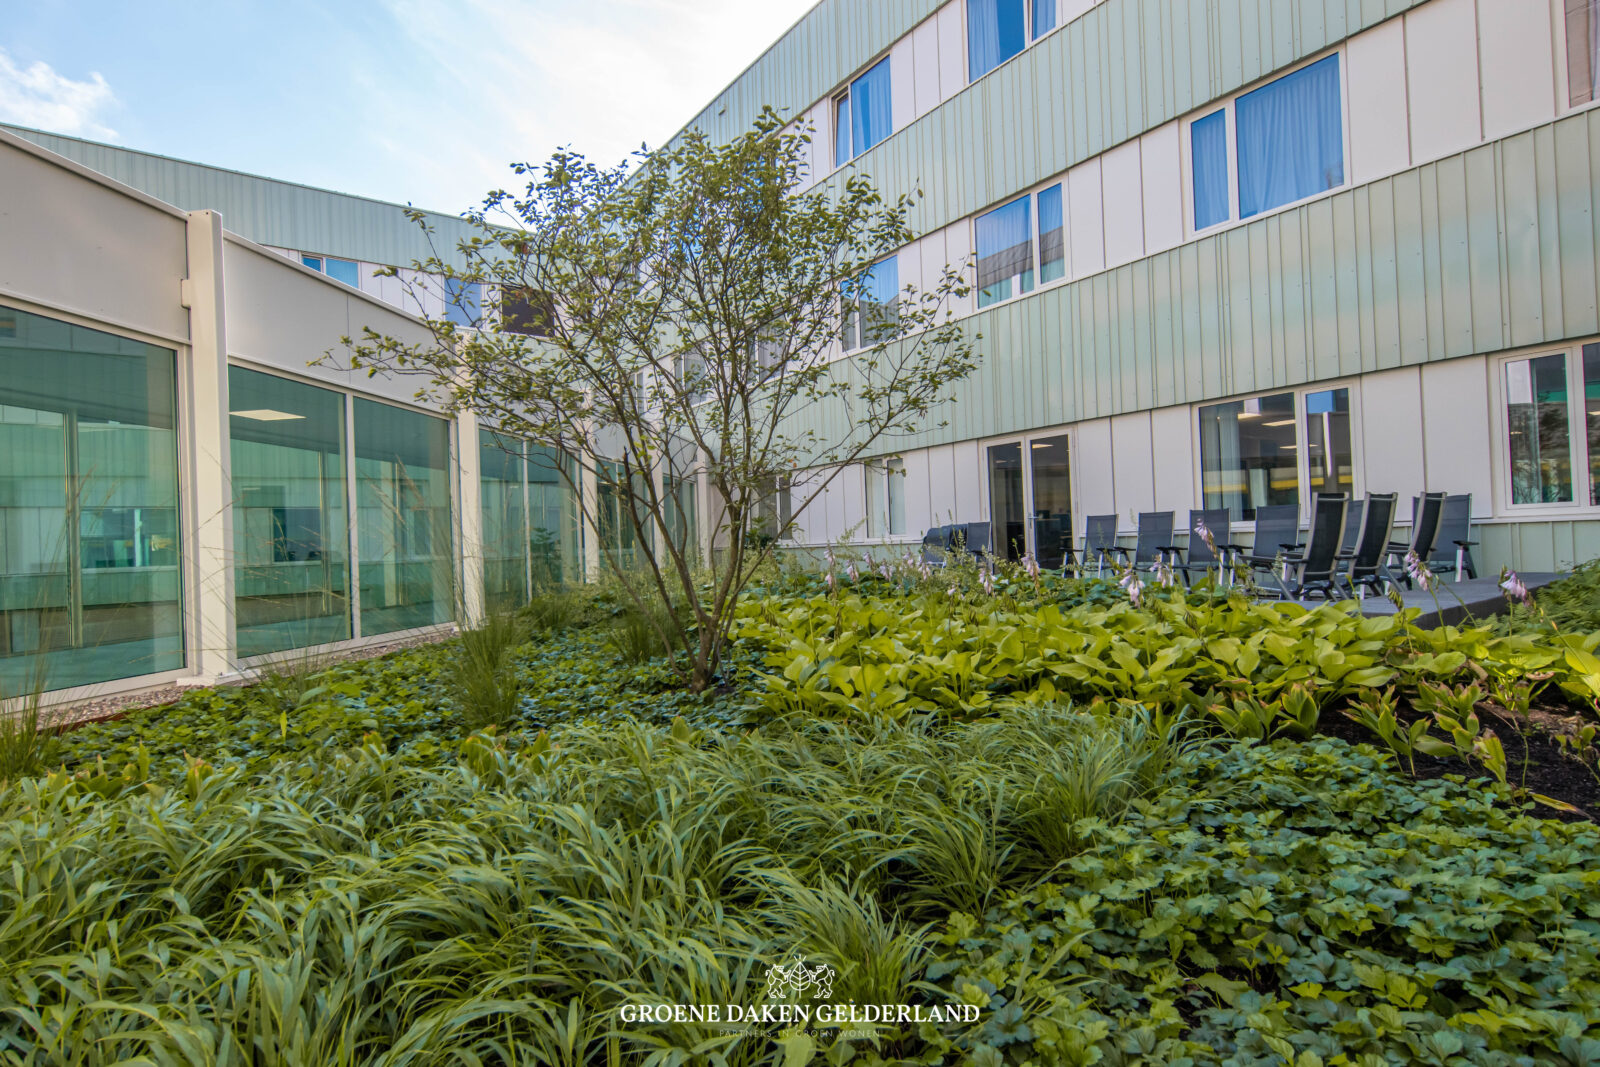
(38, 96)
(533, 76)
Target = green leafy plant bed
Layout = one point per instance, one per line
(1095, 887)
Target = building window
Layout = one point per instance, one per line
(863, 114)
(876, 308)
(463, 302)
(886, 497)
(90, 586)
(1539, 442)
(340, 270)
(1583, 51)
(1208, 140)
(1288, 144)
(1006, 242)
(1248, 454)
(403, 518)
(502, 475)
(291, 534)
(1330, 459)
(552, 517)
(525, 311)
(999, 29)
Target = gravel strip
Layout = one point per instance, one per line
(100, 709)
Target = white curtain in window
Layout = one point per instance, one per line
(1290, 138)
(1005, 251)
(870, 103)
(995, 33)
(1583, 51)
(1044, 17)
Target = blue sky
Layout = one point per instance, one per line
(424, 101)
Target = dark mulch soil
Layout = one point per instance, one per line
(1549, 770)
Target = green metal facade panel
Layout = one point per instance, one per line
(1544, 545)
(265, 210)
(1491, 249)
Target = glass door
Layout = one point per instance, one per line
(1030, 501)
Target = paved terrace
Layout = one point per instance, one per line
(1476, 597)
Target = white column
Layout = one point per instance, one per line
(470, 496)
(208, 555)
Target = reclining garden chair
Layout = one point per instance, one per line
(1314, 569)
(1277, 532)
(1200, 557)
(1366, 566)
(1452, 547)
(1154, 541)
(1424, 530)
(1099, 541)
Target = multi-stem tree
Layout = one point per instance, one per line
(692, 319)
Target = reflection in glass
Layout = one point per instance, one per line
(1005, 252)
(1330, 464)
(1536, 419)
(290, 535)
(504, 516)
(403, 521)
(1591, 406)
(89, 583)
(1005, 500)
(1052, 235)
(1247, 455)
(553, 519)
(1052, 500)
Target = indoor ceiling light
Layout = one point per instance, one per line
(1280, 422)
(266, 415)
(1249, 414)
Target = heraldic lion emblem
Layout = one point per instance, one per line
(791, 980)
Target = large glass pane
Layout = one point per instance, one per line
(1044, 17)
(1583, 51)
(552, 519)
(1005, 252)
(1247, 455)
(1290, 138)
(1208, 140)
(996, 31)
(895, 489)
(403, 519)
(877, 509)
(343, 270)
(1330, 464)
(841, 130)
(1591, 406)
(618, 525)
(871, 116)
(1005, 500)
(505, 526)
(1052, 235)
(1536, 419)
(683, 516)
(880, 300)
(1052, 499)
(89, 583)
(291, 540)
(463, 302)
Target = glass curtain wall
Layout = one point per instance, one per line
(291, 533)
(89, 580)
(1330, 461)
(506, 546)
(403, 521)
(1540, 438)
(553, 527)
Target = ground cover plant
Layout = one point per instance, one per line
(1121, 832)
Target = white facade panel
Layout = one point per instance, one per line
(1172, 432)
(1067, 10)
(1442, 78)
(1517, 66)
(1132, 466)
(1085, 226)
(952, 50)
(915, 481)
(1380, 139)
(925, 67)
(1457, 430)
(1161, 172)
(971, 503)
(1124, 204)
(1391, 434)
(851, 489)
(941, 463)
(1096, 491)
(902, 83)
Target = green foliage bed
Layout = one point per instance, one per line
(1027, 802)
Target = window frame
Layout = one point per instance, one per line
(1302, 466)
(1231, 138)
(846, 96)
(1028, 38)
(877, 483)
(851, 329)
(1577, 433)
(1036, 239)
(1563, 66)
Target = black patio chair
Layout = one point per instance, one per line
(1424, 530)
(1365, 564)
(1452, 546)
(1353, 525)
(1099, 541)
(1315, 568)
(977, 539)
(936, 544)
(1154, 540)
(1053, 535)
(1277, 532)
(1199, 558)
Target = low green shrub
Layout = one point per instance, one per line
(29, 741)
(486, 691)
